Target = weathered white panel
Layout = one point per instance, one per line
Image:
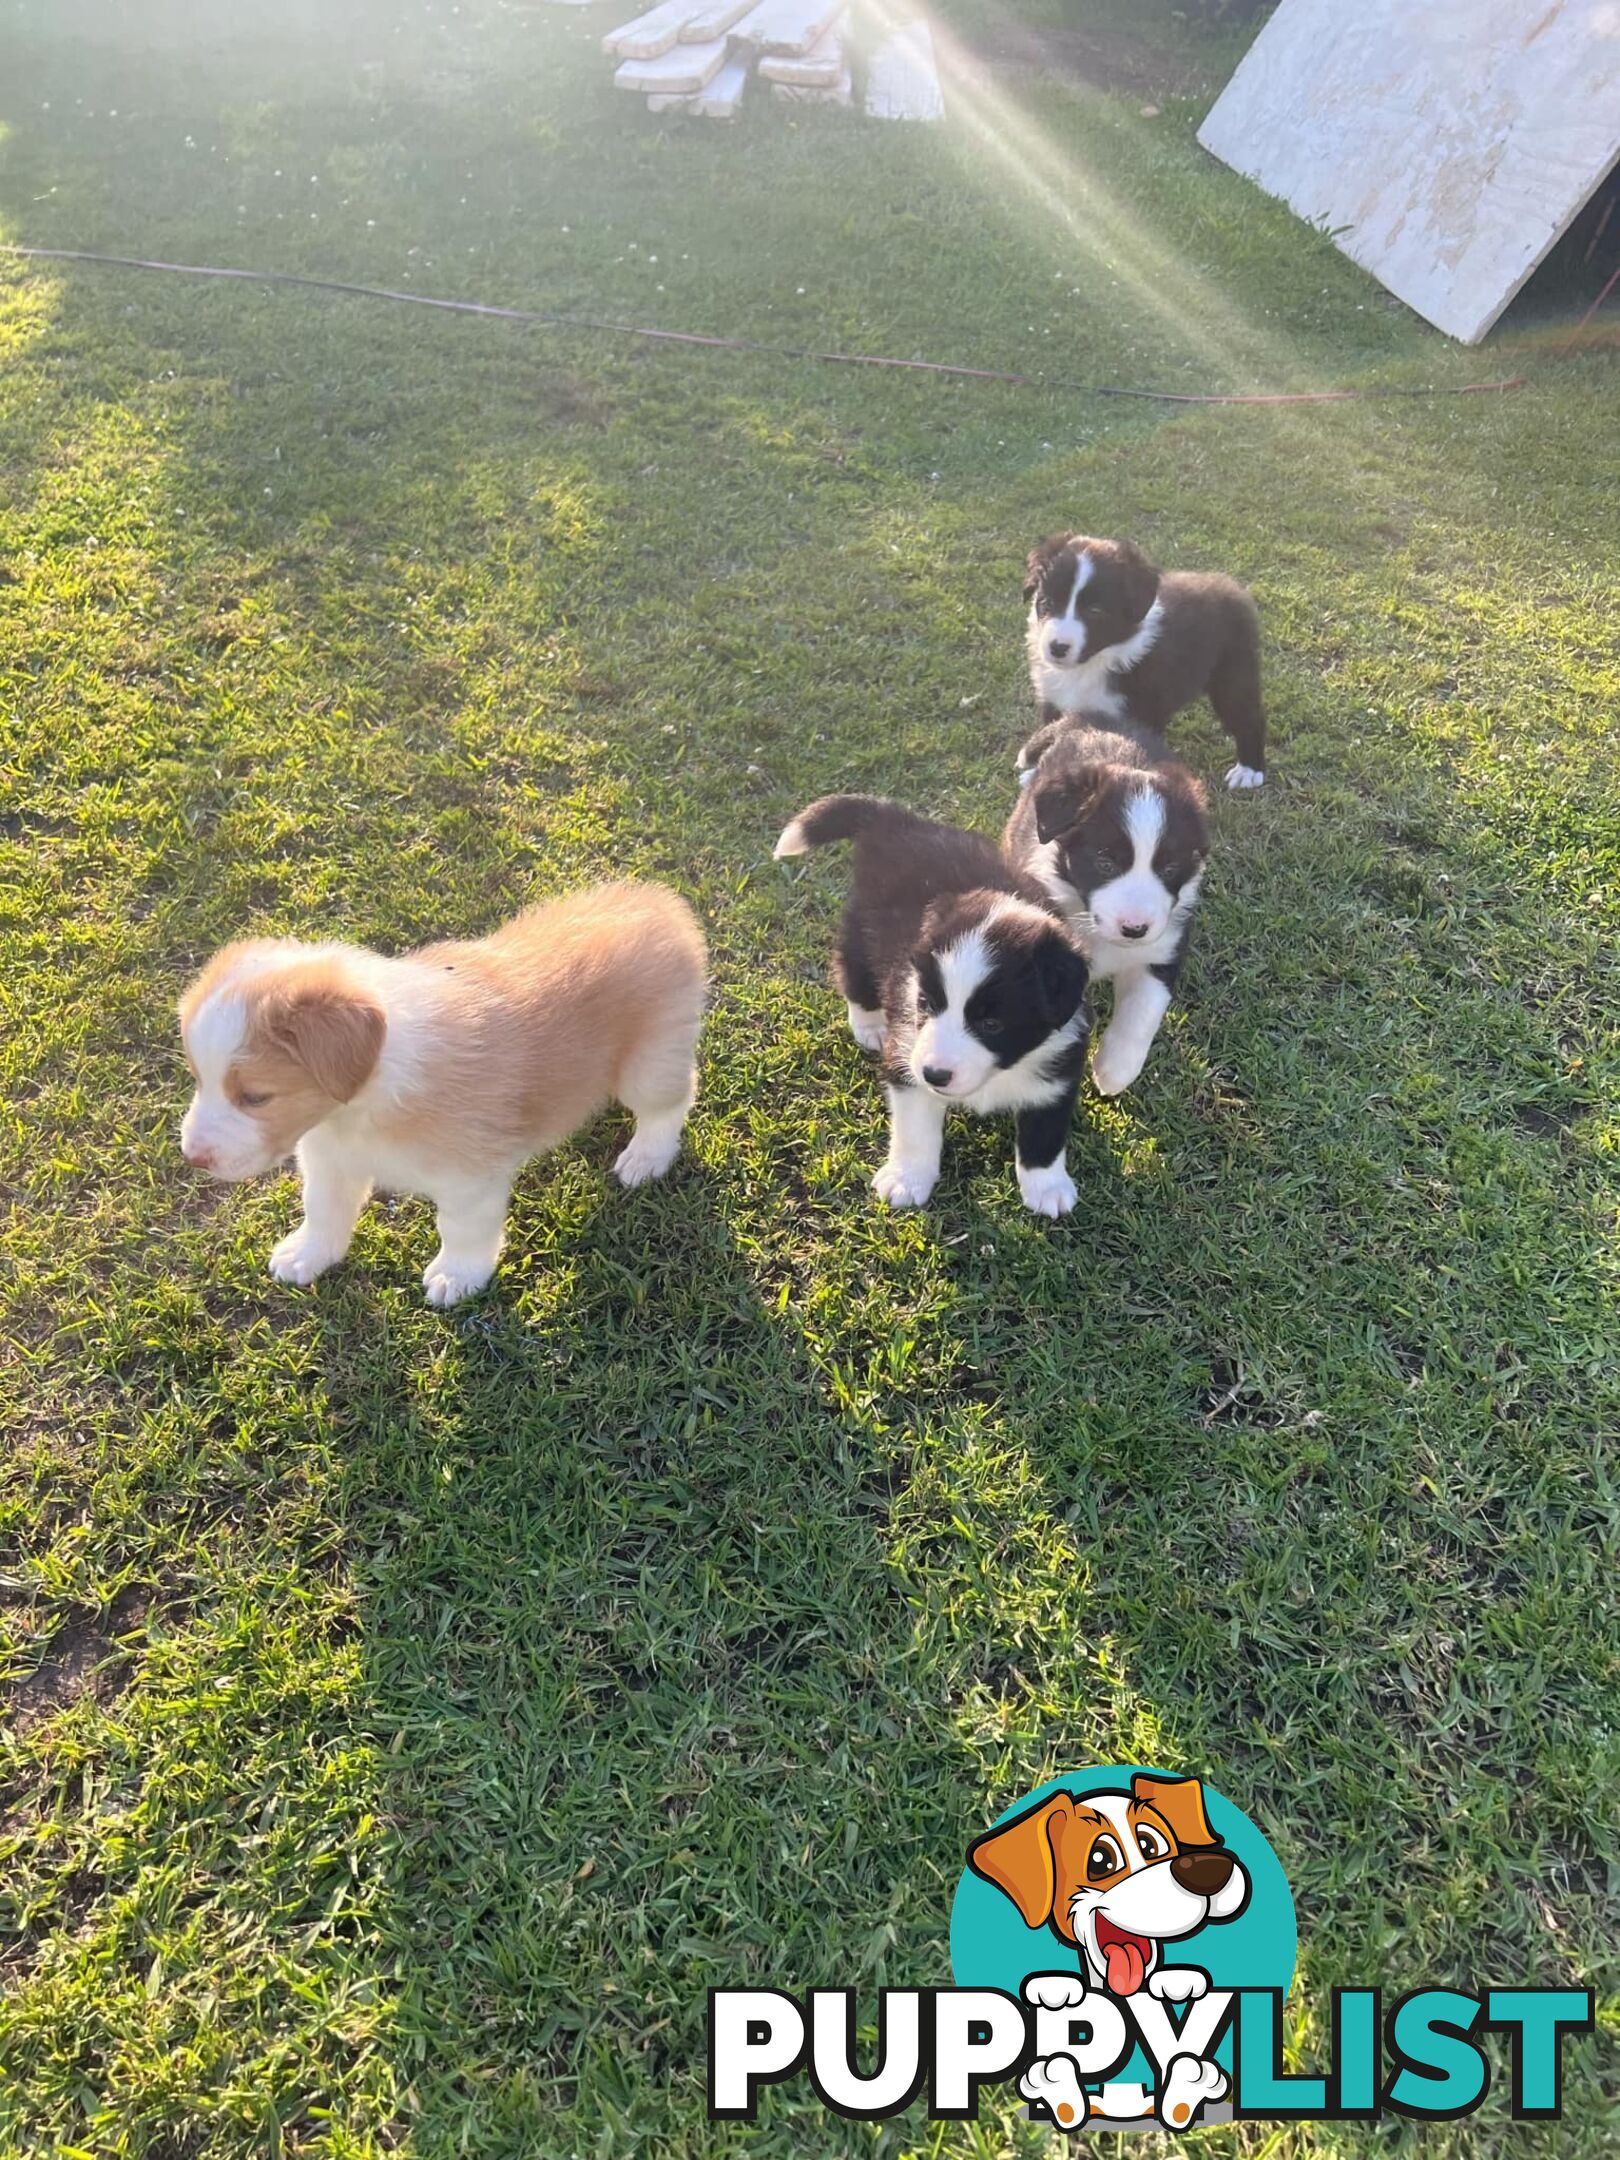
(902, 82)
(1445, 143)
(684, 68)
(821, 68)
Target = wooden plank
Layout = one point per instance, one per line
(787, 26)
(652, 33)
(717, 100)
(714, 19)
(684, 68)
(902, 82)
(838, 93)
(821, 68)
(1445, 149)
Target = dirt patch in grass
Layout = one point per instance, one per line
(83, 1659)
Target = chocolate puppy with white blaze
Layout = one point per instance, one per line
(1113, 827)
(1113, 639)
(961, 975)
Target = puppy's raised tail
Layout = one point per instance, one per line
(835, 817)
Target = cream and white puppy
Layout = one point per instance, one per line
(443, 1071)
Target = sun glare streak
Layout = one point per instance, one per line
(1097, 233)
(1069, 193)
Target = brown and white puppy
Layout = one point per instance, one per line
(1114, 639)
(443, 1071)
(1113, 826)
(959, 973)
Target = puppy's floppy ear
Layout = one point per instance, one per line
(1062, 799)
(1141, 577)
(1181, 1802)
(1060, 969)
(1039, 558)
(334, 1031)
(1023, 1858)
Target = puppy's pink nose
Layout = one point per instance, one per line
(198, 1154)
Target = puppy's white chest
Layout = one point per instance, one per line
(1087, 688)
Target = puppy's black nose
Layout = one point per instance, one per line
(1058, 649)
(1133, 929)
(937, 1075)
(1203, 1873)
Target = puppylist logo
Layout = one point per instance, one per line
(1123, 1943)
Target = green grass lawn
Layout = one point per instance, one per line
(410, 1716)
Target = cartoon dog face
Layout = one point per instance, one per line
(1116, 1874)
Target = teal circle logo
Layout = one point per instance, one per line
(1144, 1885)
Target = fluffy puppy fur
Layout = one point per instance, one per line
(1113, 827)
(442, 1072)
(959, 974)
(1114, 639)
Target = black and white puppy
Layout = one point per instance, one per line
(960, 974)
(1113, 827)
(1113, 638)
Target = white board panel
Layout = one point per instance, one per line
(902, 82)
(1445, 143)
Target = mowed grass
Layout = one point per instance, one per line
(409, 1717)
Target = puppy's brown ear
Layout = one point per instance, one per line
(1142, 577)
(1062, 799)
(1039, 558)
(1022, 1858)
(1181, 1802)
(333, 1030)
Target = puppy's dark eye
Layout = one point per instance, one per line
(1149, 1843)
(1104, 1858)
(1109, 865)
(989, 1027)
(251, 1098)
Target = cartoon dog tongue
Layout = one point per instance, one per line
(1125, 1957)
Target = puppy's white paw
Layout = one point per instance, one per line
(1189, 2084)
(1048, 1191)
(302, 1255)
(1113, 1069)
(1178, 1983)
(448, 1280)
(1245, 776)
(1054, 2081)
(1055, 1991)
(903, 1185)
(647, 1156)
(866, 1025)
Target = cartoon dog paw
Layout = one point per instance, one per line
(1189, 2084)
(1178, 1983)
(1055, 1991)
(1053, 2082)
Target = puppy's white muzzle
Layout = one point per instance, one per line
(224, 1143)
